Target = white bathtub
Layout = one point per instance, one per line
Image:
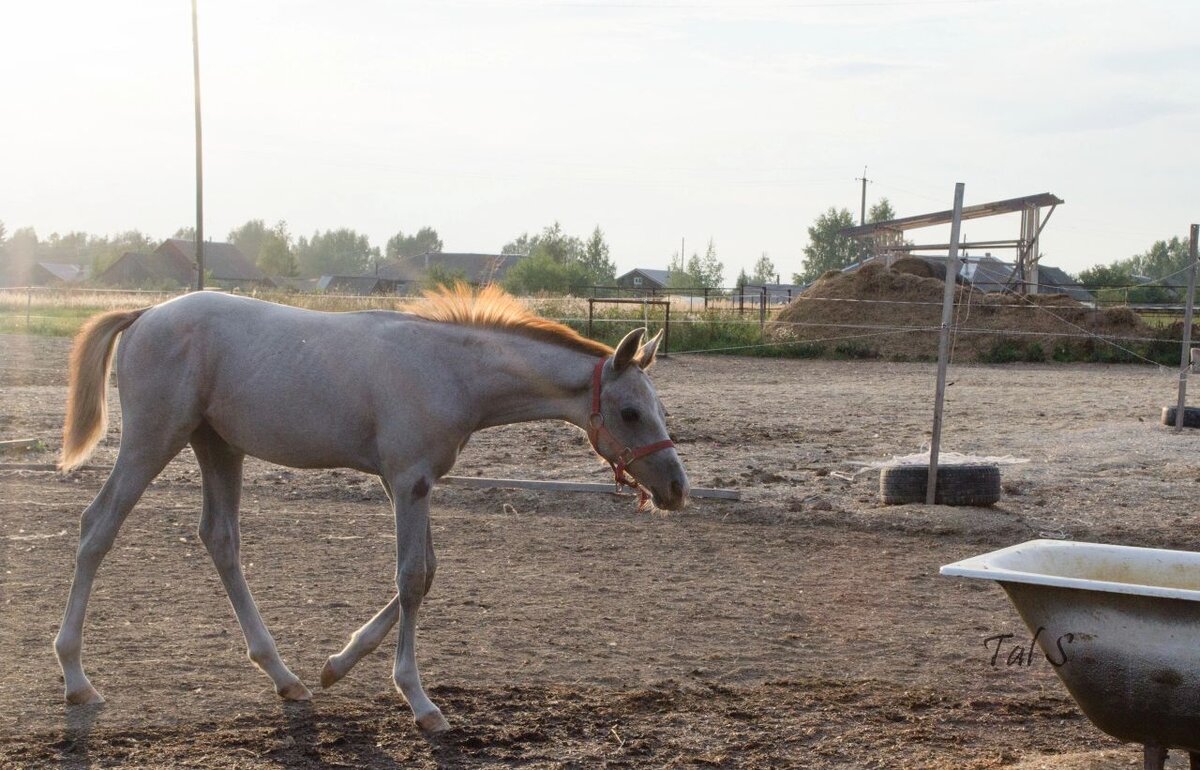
(1126, 621)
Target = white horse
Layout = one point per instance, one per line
(393, 394)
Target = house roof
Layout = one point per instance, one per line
(166, 267)
(478, 269)
(658, 276)
(65, 271)
(224, 261)
(987, 273)
(354, 284)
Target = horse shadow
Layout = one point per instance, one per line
(315, 736)
(77, 736)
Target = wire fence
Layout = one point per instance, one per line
(71, 305)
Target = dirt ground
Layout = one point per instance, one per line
(803, 626)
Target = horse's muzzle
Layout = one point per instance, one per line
(673, 497)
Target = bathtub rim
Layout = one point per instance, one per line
(983, 567)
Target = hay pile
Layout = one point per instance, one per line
(1005, 327)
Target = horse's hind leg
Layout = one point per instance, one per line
(138, 462)
(365, 640)
(221, 475)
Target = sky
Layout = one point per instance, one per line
(661, 121)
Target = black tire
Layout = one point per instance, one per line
(956, 484)
(1191, 416)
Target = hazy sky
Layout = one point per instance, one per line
(657, 120)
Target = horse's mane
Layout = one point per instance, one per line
(493, 308)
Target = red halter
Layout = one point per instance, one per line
(596, 429)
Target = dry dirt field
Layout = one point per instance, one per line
(803, 626)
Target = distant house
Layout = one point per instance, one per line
(987, 273)
(135, 270)
(57, 273)
(43, 274)
(477, 269)
(644, 279)
(224, 264)
(362, 285)
(173, 264)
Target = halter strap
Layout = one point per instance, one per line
(596, 429)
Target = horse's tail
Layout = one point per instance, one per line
(87, 394)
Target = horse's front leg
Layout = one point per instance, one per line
(414, 571)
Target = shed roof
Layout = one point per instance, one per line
(945, 217)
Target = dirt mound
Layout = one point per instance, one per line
(895, 313)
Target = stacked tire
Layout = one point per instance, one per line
(968, 484)
(1191, 416)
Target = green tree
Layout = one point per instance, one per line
(541, 273)
(743, 279)
(711, 270)
(1135, 279)
(764, 271)
(881, 212)
(600, 269)
(335, 252)
(275, 255)
(442, 276)
(553, 261)
(20, 252)
(249, 238)
(425, 240)
(105, 250)
(826, 250)
(678, 275)
(1163, 259)
(187, 233)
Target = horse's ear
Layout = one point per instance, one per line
(627, 350)
(645, 357)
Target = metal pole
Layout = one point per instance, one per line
(944, 344)
(666, 343)
(591, 304)
(1185, 361)
(199, 156)
(862, 211)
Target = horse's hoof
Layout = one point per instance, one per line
(85, 697)
(329, 674)
(295, 691)
(433, 722)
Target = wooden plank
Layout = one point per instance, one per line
(474, 482)
(482, 482)
(20, 444)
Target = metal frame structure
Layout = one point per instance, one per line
(886, 239)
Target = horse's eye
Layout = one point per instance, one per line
(629, 414)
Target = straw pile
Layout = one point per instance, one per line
(989, 326)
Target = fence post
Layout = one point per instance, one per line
(591, 303)
(666, 343)
(28, 304)
(1185, 354)
(706, 299)
(944, 343)
(762, 311)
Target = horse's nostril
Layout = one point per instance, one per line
(676, 490)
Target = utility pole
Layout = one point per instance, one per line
(199, 156)
(862, 211)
